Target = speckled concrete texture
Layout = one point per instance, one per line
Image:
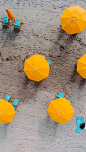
(32, 130)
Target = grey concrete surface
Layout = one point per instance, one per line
(32, 130)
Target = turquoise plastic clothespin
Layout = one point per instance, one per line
(7, 97)
(17, 23)
(69, 100)
(48, 62)
(61, 94)
(15, 102)
(79, 121)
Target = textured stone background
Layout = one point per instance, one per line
(32, 130)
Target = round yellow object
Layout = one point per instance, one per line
(81, 66)
(7, 112)
(60, 110)
(73, 20)
(36, 68)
